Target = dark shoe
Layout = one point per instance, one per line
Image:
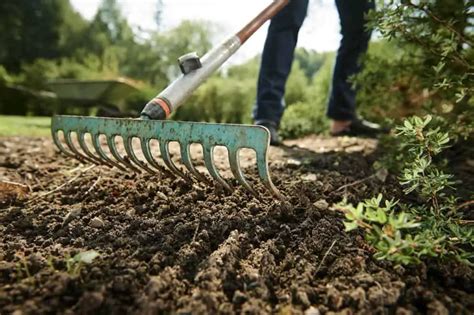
(362, 128)
(272, 127)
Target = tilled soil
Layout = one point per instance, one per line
(167, 246)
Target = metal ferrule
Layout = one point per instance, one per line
(153, 110)
(180, 90)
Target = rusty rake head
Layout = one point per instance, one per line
(233, 137)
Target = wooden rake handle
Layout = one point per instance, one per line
(268, 13)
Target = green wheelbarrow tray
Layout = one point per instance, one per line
(93, 92)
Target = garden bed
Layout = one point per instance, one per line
(168, 246)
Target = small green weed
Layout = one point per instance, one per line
(74, 264)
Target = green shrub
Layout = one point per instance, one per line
(309, 114)
(37, 74)
(433, 228)
(301, 119)
(4, 76)
(297, 87)
(427, 65)
(388, 86)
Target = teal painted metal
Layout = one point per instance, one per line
(233, 137)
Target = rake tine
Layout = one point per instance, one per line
(78, 154)
(186, 158)
(86, 150)
(100, 151)
(165, 154)
(237, 171)
(265, 174)
(208, 160)
(60, 145)
(149, 157)
(113, 150)
(147, 153)
(132, 156)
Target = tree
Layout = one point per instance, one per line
(310, 61)
(36, 29)
(159, 13)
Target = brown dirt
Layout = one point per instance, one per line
(168, 247)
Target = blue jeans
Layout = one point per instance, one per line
(278, 54)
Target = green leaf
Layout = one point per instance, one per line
(86, 257)
(381, 216)
(350, 225)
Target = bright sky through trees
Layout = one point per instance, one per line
(320, 31)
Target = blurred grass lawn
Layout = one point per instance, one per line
(24, 126)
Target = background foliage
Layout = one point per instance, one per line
(422, 63)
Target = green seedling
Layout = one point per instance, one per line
(22, 269)
(74, 264)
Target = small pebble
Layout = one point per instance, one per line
(73, 214)
(96, 223)
(161, 195)
(309, 177)
(382, 174)
(303, 298)
(293, 162)
(312, 311)
(321, 204)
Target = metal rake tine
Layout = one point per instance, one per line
(78, 155)
(60, 145)
(186, 158)
(146, 149)
(132, 156)
(100, 151)
(208, 160)
(264, 174)
(113, 150)
(165, 154)
(86, 150)
(237, 171)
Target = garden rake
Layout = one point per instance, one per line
(152, 125)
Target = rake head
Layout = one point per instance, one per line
(233, 137)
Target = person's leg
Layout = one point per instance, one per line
(277, 58)
(354, 43)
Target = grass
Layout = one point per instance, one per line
(24, 126)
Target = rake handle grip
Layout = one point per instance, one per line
(179, 90)
(268, 13)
